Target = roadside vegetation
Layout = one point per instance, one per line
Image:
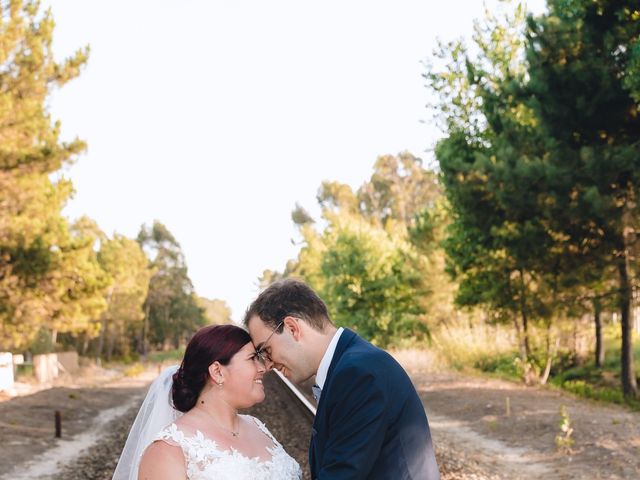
(513, 250)
(490, 350)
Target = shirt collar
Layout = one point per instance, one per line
(325, 363)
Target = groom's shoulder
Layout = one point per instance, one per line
(363, 355)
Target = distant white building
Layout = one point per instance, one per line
(6, 371)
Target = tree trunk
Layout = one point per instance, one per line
(551, 353)
(111, 340)
(629, 383)
(597, 310)
(85, 344)
(100, 347)
(522, 350)
(524, 355)
(104, 326)
(145, 330)
(523, 314)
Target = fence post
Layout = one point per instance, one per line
(58, 419)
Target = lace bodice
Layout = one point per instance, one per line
(205, 461)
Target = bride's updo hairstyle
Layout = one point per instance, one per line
(213, 343)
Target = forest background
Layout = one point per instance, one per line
(515, 252)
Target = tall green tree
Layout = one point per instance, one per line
(216, 311)
(121, 325)
(45, 269)
(399, 188)
(363, 261)
(540, 163)
(499, 245)
(172, 312)
(583, 58)
(373, 281)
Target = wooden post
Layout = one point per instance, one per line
(58, 417)
(508, 407)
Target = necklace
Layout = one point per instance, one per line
(234, 433)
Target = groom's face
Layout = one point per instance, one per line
(281, 350)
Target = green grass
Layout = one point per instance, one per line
(504, 365)
(133, 370)
(159, 357)
(133, 365)
(24, 371)
(583, 380)
(587, 390)
(599, 384)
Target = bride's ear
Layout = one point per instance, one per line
(215, 373)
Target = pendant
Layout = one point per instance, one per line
(235, 434)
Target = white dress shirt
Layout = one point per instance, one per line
(325, 363)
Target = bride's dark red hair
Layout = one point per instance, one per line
(213, 343)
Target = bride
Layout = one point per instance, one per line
(197, 434)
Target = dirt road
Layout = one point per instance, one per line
(29, 449)
(475, 437)
(469, 415)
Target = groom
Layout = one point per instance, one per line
(370, 422)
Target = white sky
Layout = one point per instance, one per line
(216, 117)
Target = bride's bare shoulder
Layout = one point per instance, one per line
(161, 461)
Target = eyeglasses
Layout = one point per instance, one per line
(261, 353)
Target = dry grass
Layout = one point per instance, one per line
(419, 360)
(462, 345)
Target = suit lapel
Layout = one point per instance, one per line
(345, 340)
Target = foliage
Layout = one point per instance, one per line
(579, 57)
(171, 305)
(127, 266)
(540, 165)
(499, 246)
(372, 280)
(165, 355)
(66, 283)
(133, 370)
(374, 258)
(48, 270)
(398, 190)
(506, 365)
(216, 311)
(563, 439)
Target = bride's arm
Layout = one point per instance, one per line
(162, 461)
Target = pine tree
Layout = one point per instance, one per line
(45, 268)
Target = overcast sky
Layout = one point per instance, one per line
(216, 117)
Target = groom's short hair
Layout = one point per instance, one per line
(289, 297)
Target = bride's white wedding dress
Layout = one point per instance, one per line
(205, 461)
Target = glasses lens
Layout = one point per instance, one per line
(262, 356)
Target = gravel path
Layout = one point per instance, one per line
(509, 429)
(288, 424)
(99, 461)
(27, 425)
(473, 437)
(285, 421)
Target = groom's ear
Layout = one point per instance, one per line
(293, 325)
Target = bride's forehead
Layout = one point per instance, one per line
(247, 348)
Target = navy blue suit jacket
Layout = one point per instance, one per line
(370, 421)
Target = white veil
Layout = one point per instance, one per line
(155, 413)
